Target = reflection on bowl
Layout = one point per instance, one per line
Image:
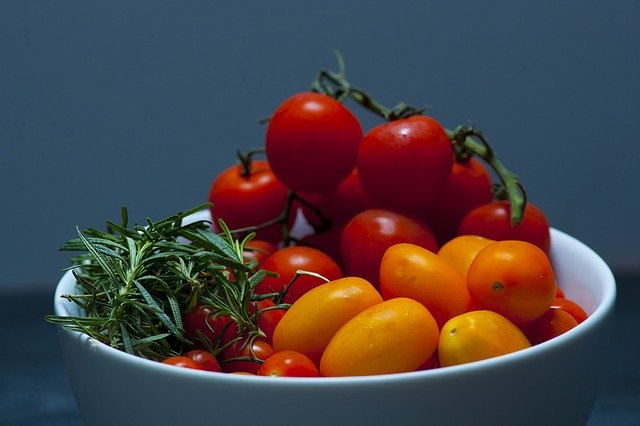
(555, 382)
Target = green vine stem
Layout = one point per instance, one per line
(468, 141)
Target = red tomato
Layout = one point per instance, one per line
(182, 361)
(258, 251)
(493, 220)
(405, 164)
(220, 330)
(206, 360)
(288, 364)
(268, 317)
(327, 242)
(468, 188)
(248, 199)
(312, 142)
(571, 307)
(258, 350)
(340, 204)
(370, 233)
(287, 261)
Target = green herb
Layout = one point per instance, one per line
(134, 284)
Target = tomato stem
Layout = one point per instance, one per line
(336, 85)
(245, 159)
(471, 140)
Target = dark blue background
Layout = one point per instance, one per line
(141, 103)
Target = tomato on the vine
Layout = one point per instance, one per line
(493, 220)
(405, 164)
(468, 188)
(218, 329)
(269, 315)
(288, 364)
(287, 261)
(312, 142)
(244, 198)
(370, 233)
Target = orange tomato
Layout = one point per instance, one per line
(512, 278)
(310, 323)
(394, 336)
(460, 251)
(553, 323)
(408, 270)
(478, 335)
(570, 307)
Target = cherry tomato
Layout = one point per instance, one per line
(327, 242)
(551, 324)
(182, 361)
(412, 271)
(512, 278)
(312, 320)
(258, 251)
(370, 233)
(219, 329)
(570, 307)
(288, 364)
(247, 199)
(478, 335)
(258, 350)
(312, 142)
(394, 336)
(493, 220)
(206, 360)
(460, 251)
(287, 261)
(340, 204)
(468, 188)
(268, 316)
(405, 164)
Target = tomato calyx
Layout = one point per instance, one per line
(245, 159)
(467, 141)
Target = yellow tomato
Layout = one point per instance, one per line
(408, 270)
(394, 336)
(461, 250)
(313, 319)
(478, 335)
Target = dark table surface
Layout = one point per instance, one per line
(34, 389)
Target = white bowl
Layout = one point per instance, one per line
(554, 383)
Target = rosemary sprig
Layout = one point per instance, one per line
(134, 284)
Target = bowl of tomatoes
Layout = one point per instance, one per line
(350, 277)
(553, 382)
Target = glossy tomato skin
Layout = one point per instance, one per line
(468, 188)
(493, 220)
(395, 336)
(370, 233)
(256, 349)
(406, 164)
(268, 316)
(288, 364)
(219, 329)
(287, 261)
(478, 335)
(206, 360)
(513, 278)
(411, 271)
(314, 319)
(182, 361)
(312, 142)
(248, 200)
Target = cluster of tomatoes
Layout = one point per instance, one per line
(410, 262)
